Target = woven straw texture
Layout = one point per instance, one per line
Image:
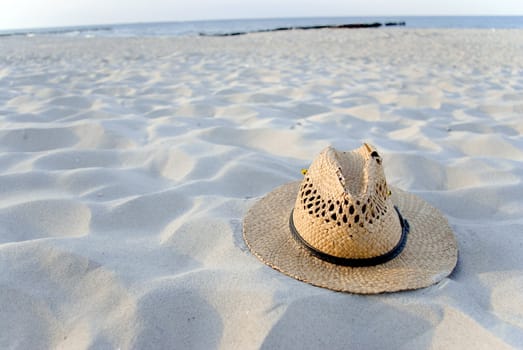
(343, 207)
(429, 256)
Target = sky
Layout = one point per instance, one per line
(18, 14)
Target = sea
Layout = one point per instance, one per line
(242, 26)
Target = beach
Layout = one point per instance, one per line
(128, 164)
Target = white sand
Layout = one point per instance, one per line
(126, 166)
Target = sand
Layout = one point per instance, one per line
(127, 165)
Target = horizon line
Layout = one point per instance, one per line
(24, 30)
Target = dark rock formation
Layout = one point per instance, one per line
(335, 26)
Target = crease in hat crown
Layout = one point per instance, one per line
(343, 207)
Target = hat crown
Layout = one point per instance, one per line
(343, 208)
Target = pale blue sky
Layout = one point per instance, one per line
(53, 13)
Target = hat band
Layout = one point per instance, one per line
(356, 262)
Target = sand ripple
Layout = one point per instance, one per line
(127, 164)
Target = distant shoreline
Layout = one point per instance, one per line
(335, 26)
(240, 26)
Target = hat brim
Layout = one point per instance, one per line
(429, 256)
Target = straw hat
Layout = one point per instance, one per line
(343, 228)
